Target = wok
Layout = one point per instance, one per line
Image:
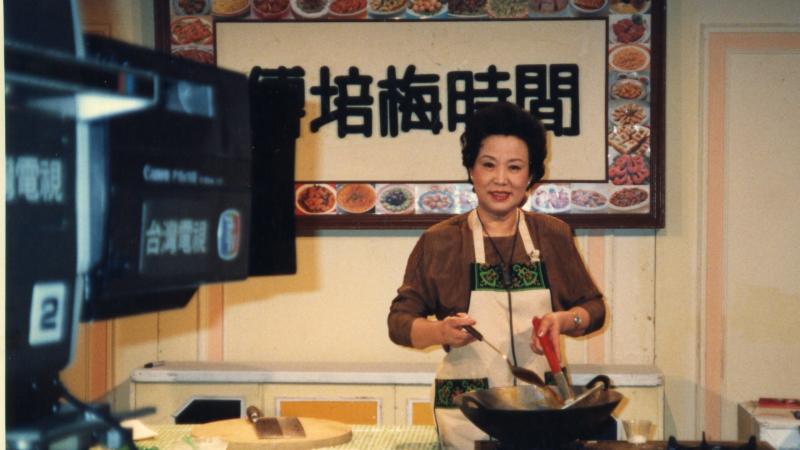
(519, 416)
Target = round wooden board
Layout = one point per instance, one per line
(241, 434)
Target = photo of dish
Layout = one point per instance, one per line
(386, 8)
(191, 30)
(629, 29)
(547, 8)
(629, 6)
(347, 9)
(589, 8)
(588, 200)
(198, 54)
(630, 140)
(466, 9)
(629, 58)
(355, 198)
(270, 9)
(395, 199)
(629, 169)
(309, 9)
(629, 198)
(230, 8)
(315, 199)
(436, 202)
(629, 88)
(190, 7)
(426, 9)
(507, 8)
(550, 198)
(628, 113)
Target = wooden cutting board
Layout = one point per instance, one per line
(241, 434)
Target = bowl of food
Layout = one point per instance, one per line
(628, 113)
(629, 6)
(589, 8)
(548, 8)
(270, 9)
(629, 58)
(426, 9)
(315, 199)
(309, 9)
(629, 29)
(630, 140)
(510, 9)
(355, 198)
(588, 200)
(191, 30)
(629, 170)
(629, 88)
(191, 7)
(550, 198)
(466, 9)
(347, 9)
(395, 199)
(386, 9)
(629, 198)
(230, 8)
(201, 54)
(436, 201)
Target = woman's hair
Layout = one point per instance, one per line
(505, 119)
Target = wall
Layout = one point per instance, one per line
(673, 301)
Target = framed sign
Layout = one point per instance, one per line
(387, 93)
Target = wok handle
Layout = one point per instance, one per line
(600, 379)
(547, 346)
(253, 413)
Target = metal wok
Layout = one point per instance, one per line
(520, 416)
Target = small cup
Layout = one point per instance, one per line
(637, 431)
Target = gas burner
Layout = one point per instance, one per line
(751, 444)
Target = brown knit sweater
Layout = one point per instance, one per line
(437, 278)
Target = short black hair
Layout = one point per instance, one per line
(505, 119)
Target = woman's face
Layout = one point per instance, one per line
(500, 174)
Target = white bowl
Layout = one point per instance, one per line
(176, 7)
(303, 15)
(582, 11)
(411, 14)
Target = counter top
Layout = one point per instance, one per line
(364, 438)
(622, 375)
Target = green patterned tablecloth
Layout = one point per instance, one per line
(365, 437)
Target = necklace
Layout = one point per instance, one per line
(506, 280)
(505, 267)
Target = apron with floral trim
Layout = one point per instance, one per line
(477, 366)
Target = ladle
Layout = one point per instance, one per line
(521, 373)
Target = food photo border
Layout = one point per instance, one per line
(632, 195)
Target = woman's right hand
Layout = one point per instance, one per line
(452, 329)
(448, 331)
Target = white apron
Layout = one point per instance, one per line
(477, 366)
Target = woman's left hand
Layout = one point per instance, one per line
(550, 326)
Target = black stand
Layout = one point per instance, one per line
(72, 424)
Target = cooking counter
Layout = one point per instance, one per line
(621, 375)
(381, 394)
(364, 438)
(367, 437)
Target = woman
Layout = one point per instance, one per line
(472, 269)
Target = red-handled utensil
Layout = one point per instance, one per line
(555, 366)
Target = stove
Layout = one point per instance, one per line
(670, 444)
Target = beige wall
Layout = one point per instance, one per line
(703, 327)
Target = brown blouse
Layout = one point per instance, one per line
(437, 278)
